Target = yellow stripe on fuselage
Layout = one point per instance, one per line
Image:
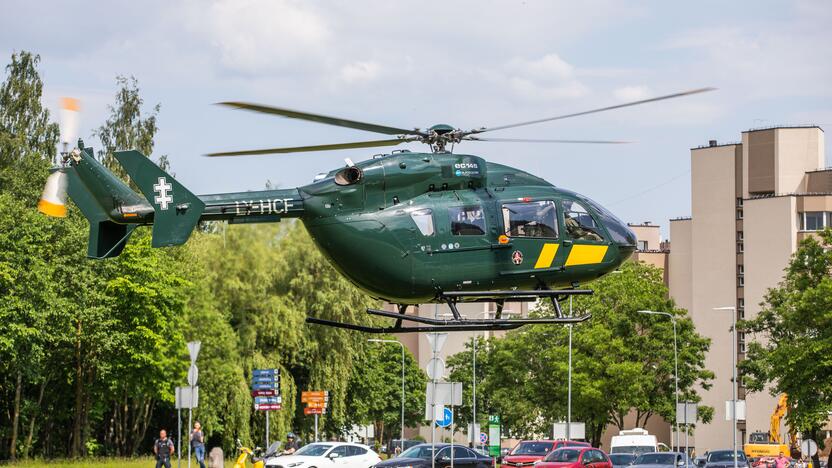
(547, 256)
(582, 254)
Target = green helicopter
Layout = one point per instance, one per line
(405, 227)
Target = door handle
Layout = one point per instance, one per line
(567, 243)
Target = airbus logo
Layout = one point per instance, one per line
(163, 193)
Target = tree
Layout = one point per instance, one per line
(793, 339)
(27, 144)
(621, 360)
(126, 128)
(28, 139)
(375, 391)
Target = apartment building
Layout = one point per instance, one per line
(751, 204)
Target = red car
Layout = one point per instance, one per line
(576, 457)
(527, 452)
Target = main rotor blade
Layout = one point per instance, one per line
(526, 140)
(593, 111)
(304, 149)
(293, 114)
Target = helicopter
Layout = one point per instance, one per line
(405, 227)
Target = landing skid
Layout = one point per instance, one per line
(459, 323)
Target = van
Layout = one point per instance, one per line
(635, 441)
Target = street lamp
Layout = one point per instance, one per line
(734, 384)
(375, 340)
(675, 365)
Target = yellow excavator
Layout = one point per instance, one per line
(767, 444)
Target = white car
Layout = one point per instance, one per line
(328, 455)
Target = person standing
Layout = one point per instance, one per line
(198, 444)
(781, 461)
(163, 449)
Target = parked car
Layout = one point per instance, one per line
(328, 455)
(635, 440)
(622, 460)
(723, 459)
(662, 460)
(527, 452)
(420, 456)
(575, 457)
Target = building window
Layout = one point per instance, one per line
(642, 245)
(814, 220)
(739, 236)
(740, 247)
(739, 202)
(534, 219)
(467, 220)
(739, 213)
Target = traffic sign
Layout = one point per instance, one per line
(186, 397)
(483, 437)
(268, 407)
(265, 400)
(265, 379)
(263, 386)
(447, 416)
(265, 372)
(315, 404)
(809, 447)
(314, 396)
(193, 375)
(257, 393)
(308, 411)
(435, 368)
(193, 350)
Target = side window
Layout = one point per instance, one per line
(579, 223)
(424, 221)
(353, 450)
(535, 219)
(462, 452)
(340, 450)
(467, 220)
(445, 452)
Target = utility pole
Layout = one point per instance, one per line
(569, 380)
(733, 310)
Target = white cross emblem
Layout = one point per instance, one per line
(163, 196)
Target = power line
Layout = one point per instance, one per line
(648, 190)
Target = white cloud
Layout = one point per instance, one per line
(359, 72)
(632, 93)
(261, 36)
(548, 77)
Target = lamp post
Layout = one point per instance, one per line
(675, 366)
(401, 434)
(733, 310)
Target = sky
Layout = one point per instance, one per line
(464, 63)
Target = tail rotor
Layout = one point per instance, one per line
(53, 200)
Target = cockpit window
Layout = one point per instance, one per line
(467, 220)
(424, 221)
(533, 219)
(579, 223)
(615, 227)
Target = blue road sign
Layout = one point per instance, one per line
(264, 379)
(268, 400)
(483, 437)
(264, 372)
(263, 386)
(447, 415)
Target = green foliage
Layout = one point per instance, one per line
(620, 360)
(126, 128)
(793, 337)
(375, 392)
(28, 140)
